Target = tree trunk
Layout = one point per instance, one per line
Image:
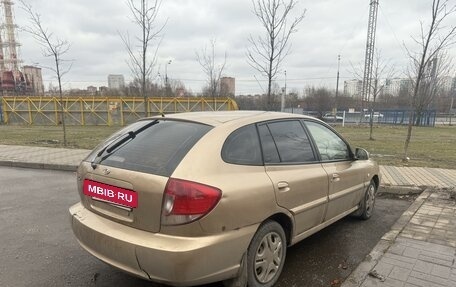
(371, 124)
(144, 42)
(62, 110)
(409, 136)
(269, 96)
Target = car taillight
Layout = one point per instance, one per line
(185, 201)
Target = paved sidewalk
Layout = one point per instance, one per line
(419, 250)
(418, 176)
(41, 157)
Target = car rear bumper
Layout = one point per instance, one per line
(173, 260)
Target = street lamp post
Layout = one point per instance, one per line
(337, 85)
(453, 95)
(1, 111)
(282, 99)
(166, 76)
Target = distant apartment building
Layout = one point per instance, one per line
(116, 82)
(353, 88)
(34, 79)
(227, 86)
(392, 87)
(446, 83)
(396, 86)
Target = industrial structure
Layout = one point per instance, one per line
(14, 78)
(370, 49)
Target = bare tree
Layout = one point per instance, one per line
(431, 84)
(142, 60)
(432, 41)
(213, 71)
(136, 85)
(273, 102)
(319, 100)
(380, 69)
(52, 46)
(267, 52)
(246, 102)
(176, 88)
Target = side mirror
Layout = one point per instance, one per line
(361, 154)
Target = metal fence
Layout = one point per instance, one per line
(101, 111)
(392, 117)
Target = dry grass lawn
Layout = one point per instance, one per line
(430, 146)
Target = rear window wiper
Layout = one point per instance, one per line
(114, 145)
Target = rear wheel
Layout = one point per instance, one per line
(266, 255)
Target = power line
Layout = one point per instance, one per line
(347, 39)
(392, 30)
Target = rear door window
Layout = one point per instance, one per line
(270, 153)
(243, 147)
(288, 140)
(158, 149)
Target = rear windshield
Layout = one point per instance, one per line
(158, 149)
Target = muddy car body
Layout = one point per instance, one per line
(195, 198)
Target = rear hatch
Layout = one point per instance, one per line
(124, 178)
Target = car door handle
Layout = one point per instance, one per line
(335, 177)
(283, 186)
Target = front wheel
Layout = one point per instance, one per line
(266, 255)
(366, 206)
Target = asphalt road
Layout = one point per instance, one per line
(38, 248)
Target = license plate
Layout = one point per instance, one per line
(114, 194)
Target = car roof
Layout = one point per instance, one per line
(222, 117)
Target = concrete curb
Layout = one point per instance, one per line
(358, 276)
(401, 189)
(37, 165)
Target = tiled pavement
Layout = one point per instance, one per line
(434, 222)
(418, 176)
(41, 157)
(411, 263)
(419, 251)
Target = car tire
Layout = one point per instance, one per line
(266, 255)
(366, 206)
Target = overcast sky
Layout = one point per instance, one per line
(330, 27)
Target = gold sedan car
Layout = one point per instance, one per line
(194, 198)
